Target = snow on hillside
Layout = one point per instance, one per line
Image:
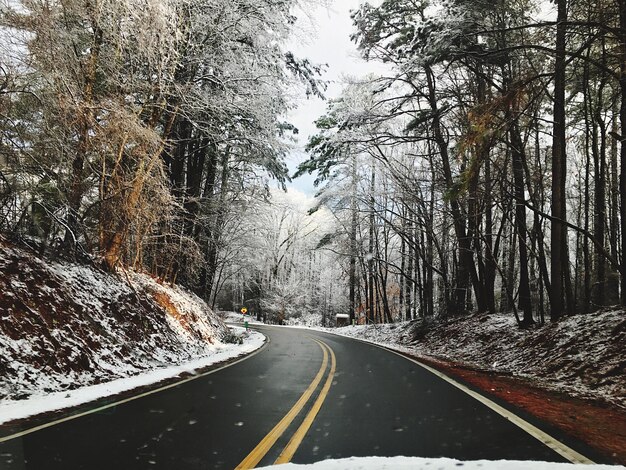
(37, 403)
(65, 326)
(582, 355)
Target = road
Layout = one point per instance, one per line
(337, 396)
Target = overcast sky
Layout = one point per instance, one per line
(324, 37)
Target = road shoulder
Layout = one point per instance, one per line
(593, 426)
(28, 415)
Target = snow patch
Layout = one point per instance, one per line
(72, 333)
(45, 402)
(581, 355)
(419, 463)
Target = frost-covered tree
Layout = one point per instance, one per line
(280, 271)
(134, 129)
(458, 134)
(94, 72)
(227, 134)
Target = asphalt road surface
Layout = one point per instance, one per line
(305, 397)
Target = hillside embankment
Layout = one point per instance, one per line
(570, 374)
(65, 325)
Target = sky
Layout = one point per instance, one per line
(323, 37)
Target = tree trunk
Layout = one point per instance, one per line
(622, 116)
(490, 261)
(217, 224)
(558, 235)
(77, 185)
(371, 249)
(353, 226)
(599, 222)
(466, 268)
(517, 158)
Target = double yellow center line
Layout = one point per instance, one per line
(270, 439)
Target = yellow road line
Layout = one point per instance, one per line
(287, 453)
(270, 439)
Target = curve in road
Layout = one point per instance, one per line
(372, 402)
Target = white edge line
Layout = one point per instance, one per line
(134, 397)
(554, 444)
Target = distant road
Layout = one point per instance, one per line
(306, 397)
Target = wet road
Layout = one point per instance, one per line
(361, 401)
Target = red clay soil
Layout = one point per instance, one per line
(601, 426)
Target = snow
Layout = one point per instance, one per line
(72, 333)
(581, 355)
(238, 318)
(419, 463)
(45, 402)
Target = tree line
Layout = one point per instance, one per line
(483, 172)
(486, 171)
(139, 131)
(276, 267)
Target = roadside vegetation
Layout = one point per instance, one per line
(66, 326)
(483, 177)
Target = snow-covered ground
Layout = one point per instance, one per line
(70, 333)
(418, 463)
(581, 355)
(234, 317)
(45, 402)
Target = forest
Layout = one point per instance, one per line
(138, 133)
(486, 172)
(483, 173)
